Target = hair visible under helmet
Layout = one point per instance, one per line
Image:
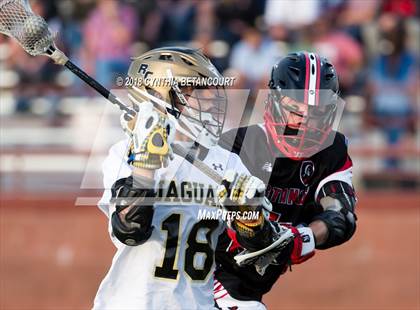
(158, 77)
(311, 80)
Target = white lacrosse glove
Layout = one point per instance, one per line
(241, 190)
(290, 245)
(240, 194)
(151, 134)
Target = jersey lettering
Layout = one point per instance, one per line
(186, 192)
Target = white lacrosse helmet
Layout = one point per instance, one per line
(159, 76)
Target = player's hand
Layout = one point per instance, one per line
(132, 219)
(241, 192)
(290, 246)
(303, 246)
(132, 224)
(151, 134)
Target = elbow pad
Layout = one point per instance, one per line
(135, 226)
(338, 201)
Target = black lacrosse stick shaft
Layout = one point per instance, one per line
(99, 88)
(178, 149)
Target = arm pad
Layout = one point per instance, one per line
(339, 228)
(136, 227)
(338, 201)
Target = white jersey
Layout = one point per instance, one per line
(174, 267)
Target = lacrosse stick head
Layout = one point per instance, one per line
(31, 31)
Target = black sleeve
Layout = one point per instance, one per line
(245, 141)
(340, 218)
(232, 140)
(335, 160)
(337, 155)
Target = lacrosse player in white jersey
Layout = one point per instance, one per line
(153, 197)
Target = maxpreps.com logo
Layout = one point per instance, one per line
(220, 214)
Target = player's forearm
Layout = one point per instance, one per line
(143, 172)
(143, 178)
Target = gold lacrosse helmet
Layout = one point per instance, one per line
(173, 78)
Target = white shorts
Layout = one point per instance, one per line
(226, 302)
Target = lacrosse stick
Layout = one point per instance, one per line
(31, 31)
(263, 258)
(178, 149)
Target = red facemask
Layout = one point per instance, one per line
(302, 142)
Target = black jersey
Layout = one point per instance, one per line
(292, 187)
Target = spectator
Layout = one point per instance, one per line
(405, 8)
(338, 46)
(108, 34)
(36, 77)
(235, 16)
(292, 14)
(354, 15)
(285, 18)
(169, 21)
(217, 52)
(253, 57)
(393, 84)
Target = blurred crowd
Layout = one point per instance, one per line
(374, 45)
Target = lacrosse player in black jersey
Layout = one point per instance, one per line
(303, 160)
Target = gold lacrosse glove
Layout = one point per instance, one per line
(151, 134)
(241, 194)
